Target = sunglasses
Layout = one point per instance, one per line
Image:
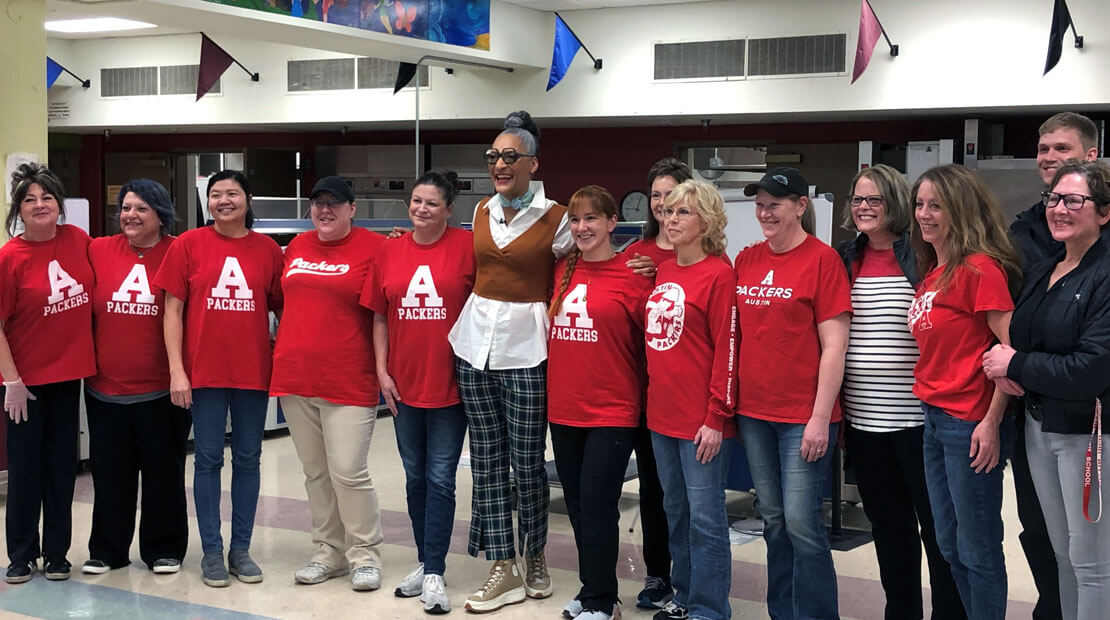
(509, 156)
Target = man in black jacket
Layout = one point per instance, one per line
(1064, 136)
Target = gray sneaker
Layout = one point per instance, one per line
(434, 595)
(240, 564)
(572, 609)
(366, 578)
(316, 572)
(212, 570)
(412, 584)
(166, 566)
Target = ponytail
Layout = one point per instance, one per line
(572, 262)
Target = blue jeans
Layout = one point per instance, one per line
(801, 580)
(430, 442)
(694, 499)
(967, 510)
(248, 418)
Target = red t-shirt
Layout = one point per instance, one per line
(781, 298)
(690, 330)
(649, 248)
(422, 289)
(324, 347)
(952, 332)
(46, 306)
(127, 318)
(595, 349)
(229, 286)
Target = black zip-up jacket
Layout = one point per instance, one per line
(1072, 364)
(851, 251)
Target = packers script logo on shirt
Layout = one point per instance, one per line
(322, 268)
(137, 284)
(580, 327)
(666, 309)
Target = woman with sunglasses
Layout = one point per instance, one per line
(963, 304)
(324, 375)
(500, 340)
(46, 348)
(884, 420)
(1060, 355)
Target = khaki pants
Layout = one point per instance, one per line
(333, 442)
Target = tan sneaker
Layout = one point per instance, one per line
(537, 581)
(504, 587)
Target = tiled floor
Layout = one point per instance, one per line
(281, 546)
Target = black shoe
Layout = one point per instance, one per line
(671, 612)
(20, 572)
(57, 570)
(656, 594)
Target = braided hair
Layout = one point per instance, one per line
(590, 198)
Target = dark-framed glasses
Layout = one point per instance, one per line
(872, 201)
(509, 156)
(1072, 202)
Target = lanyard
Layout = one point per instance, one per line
(1095, 444)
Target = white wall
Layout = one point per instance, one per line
(955, 55)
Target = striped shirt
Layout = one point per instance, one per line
(878, 369)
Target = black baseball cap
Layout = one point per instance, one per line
(336, 186)
(780, 182)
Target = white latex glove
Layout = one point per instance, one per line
(15, 400)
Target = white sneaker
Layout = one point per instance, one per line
(366, 578)
(434, 596)
(316, 572)
(601, 615)
(572, 609)
(412, 584)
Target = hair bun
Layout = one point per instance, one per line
(522, 120)
(452, 177)
(26, 171)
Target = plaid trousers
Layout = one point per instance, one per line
(506, 411)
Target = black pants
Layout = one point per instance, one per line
(890, 475)
(1034, 535)
(125, 441)
(653, 519)
(42, 467)
(591, 464)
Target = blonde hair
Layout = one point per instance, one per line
(706, 201)
(590, 198)
(975, 225)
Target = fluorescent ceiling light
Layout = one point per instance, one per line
(95, 24)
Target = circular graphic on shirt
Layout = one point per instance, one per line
(666, 308)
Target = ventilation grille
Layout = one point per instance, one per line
(130, 82)
(380, 73)
(325, 74)
(823, 53)
(742, 58)
(701, 59)
(181, 80)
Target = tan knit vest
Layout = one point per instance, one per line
(523, 270)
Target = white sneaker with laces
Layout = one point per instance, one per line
(434, 595)
(366, 578)
(572, 609)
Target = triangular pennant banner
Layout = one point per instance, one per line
(869, 32)
(1061, 20)
(213, 62)
(405, 72)
(53, 71)
(562, 53)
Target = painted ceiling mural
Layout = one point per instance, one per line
(456, 22)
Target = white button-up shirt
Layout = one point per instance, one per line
(508, 334)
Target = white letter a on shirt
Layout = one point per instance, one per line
(769, 279)
(62, 284)
(232, 276)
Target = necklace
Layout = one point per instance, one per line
(140, 251)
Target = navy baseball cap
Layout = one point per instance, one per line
(780, 182)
